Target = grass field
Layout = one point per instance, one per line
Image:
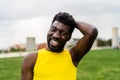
(100, 65)
(10, 68)
(96, 65)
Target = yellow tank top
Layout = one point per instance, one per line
(54, 66)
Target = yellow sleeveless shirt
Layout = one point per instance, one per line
(54, 66)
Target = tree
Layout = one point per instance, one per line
(14, 49)
(103, 42)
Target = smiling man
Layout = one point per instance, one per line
(54, 62)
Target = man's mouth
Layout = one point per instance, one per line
(54, 43)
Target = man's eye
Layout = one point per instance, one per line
(64, 33)
(53, 29)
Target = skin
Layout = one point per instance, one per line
(57, 37)
(58, 33)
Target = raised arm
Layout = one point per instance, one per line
(85, 43)
(27, 66)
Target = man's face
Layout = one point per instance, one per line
(57, 36)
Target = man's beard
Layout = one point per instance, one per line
(54, 46)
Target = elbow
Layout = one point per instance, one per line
(94, 32)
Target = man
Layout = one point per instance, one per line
(54, 62)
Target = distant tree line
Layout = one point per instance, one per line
(12, 49)
(103, 42)
(100, 43)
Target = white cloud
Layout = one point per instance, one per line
(22, 18)
(35, 27)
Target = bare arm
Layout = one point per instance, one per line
(27, 66)
(85, 43)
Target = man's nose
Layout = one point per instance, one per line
(56, 34)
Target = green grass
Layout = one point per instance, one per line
(100, 65)
(96, 65)
(10, 68)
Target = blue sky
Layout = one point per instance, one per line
(32, 18)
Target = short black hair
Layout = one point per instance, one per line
(66, 19)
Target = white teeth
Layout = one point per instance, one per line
(54, 42)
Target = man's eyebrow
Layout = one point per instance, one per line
(52, 26)
(57, 28)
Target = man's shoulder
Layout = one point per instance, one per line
(30, 59)
(31, 55)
